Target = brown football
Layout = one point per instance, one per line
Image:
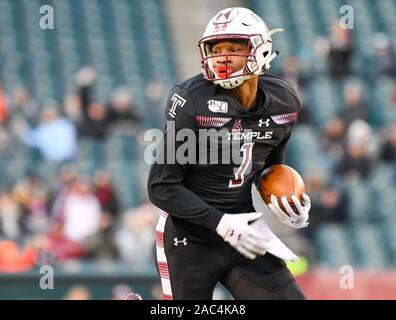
(281, 180)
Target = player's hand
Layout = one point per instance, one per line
(293, 219)
(235, 229)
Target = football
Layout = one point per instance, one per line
(281, 180)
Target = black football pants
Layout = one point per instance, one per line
(191, 270)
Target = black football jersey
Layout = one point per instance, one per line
(196, 193)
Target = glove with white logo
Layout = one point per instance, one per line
(291, 218)
(235, 230)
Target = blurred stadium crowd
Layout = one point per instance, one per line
(344, 144)
(75, 102)
(64, 202)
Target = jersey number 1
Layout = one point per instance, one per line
(246, 149)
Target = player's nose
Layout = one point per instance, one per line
(223, 58)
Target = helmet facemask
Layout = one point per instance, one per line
(223, 75)
(237, 24)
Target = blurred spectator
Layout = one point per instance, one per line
(133, 296)
(341, 50)
(314, 184)
(124, 292)
(106, 195)
(135, 239)
(96, 117)
(120, 292)
(46, 136)
(13, 260)
(356, 161)
(55, 247)
(10, 216)
(393, 97)
(333, 139)
(92, 116)
(60, 190)
(77, 219)
(86, 223)
(330, 207)
(5, 140)
(304, 116)
(31, 194)
(86, 76)
(104, 192)
(3, 107)
(291, 70)
(121, 110)
(156, 292)
(354, 108)
(82, 212)
(305, 58)
(78, 292)
(72, 108)
(297, 70)
(388, 152)
(155, 94)
(96, 122)
(24, 190)
(321, 50)
(382, 62)
(22, 106)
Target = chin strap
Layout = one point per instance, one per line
(232, 83)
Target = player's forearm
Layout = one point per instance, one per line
(277, 156)
(182, 203)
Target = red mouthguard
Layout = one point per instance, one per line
(223, 72)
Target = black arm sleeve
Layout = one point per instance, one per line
(276, 156)
(166, 187)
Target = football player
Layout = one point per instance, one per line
(207, 230)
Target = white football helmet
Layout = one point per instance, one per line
(237, 24)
